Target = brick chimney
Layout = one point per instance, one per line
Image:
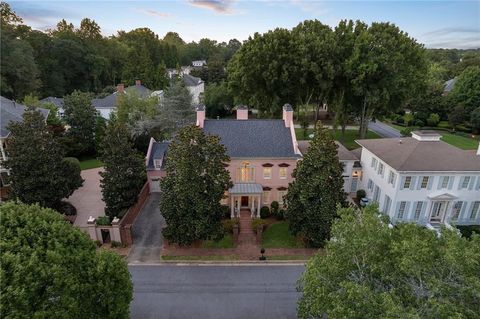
(242, 112)
(288, 115)
(200, 115)
(138, 82)
(121, 88)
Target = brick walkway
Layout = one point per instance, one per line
(247, 249)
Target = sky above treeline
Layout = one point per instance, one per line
(435, 23)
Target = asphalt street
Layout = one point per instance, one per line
(214, 291)
(383, 129)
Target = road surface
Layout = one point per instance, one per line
(211, 291)
(383, 129)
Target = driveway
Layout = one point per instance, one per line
(383, 129)
(88, 198)
(147, 232)
(206, 291)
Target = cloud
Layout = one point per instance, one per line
(40, 17)
(154, 13)
(452, 37)
(311, 6)
(452, 30)
(219, 6)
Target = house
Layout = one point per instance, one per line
(448, 86)
(155, 163)
(199, 63)
(57, 101)
(171, 73)
(352, 169)
(10, 111)
(422, 179)
(195, 86)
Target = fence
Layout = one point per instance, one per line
(128, 219)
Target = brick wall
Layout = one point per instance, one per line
(129, 218)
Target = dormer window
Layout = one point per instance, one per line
(157, 163)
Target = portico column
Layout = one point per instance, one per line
(238, 207)
(259, 203)
(252, 199)
(232, 206)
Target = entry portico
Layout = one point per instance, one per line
(245, 195)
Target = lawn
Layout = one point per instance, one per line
(459, 141)
(88, 163)
(277, 236)
(348, 140)
(225, 242)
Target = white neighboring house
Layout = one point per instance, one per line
(422, 179)
(199, 63)
(171, 73)
(195, 86)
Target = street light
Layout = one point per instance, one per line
(262, 257)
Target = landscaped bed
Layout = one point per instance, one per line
(225, 242)
(277, 235)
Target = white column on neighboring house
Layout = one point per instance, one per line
(232, 206)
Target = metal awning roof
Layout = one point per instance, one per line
(246, 188)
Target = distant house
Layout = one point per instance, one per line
(155, 163)
(10, 111)
(57, 101)
(448, 86)
(196, 87)
(171, 73)
(199, 63)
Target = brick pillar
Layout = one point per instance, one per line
(115, 231)
(92, 231)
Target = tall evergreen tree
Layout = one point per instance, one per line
(38, 172)
(313, 196)
(124, 173)
(196, 181)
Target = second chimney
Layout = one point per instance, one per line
(138, 82)
(200, 115)
(242, 112)
(120, 88)
(288, 115)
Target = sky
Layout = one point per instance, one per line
(435, 23)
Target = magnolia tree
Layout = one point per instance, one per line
(196, 181)
(373, 270)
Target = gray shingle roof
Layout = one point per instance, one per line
(448, 85)
(411, 155)
(11, 111)
(159, 151)
(57, 101)
(253, 138)
(246, 188)
(191, 80)
(110, 101)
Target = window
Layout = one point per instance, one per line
(387, 203)
(381, 169)
(266, 197)
(474, 212)
(370, 185)
(376, 194)
(157, 163)
(283, 172)
(280, 196)
(267, 172)
(424, 183)
(374, 163)
(391, 178)
(466, 181)
(401, 210)
(456, 210)
(408, 182)
(245, 173)
(445, 180)
(418, 210)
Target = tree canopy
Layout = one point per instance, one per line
(50, 269)
(372, 270)
(195, 182)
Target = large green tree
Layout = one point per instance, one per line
(372, 270)
(466, 91)
(38, 172)
(124, 173)
(79, 114)
(195, 183)
(52, 270)
(218, 100)
(313, 196)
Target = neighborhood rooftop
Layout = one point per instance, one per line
(11, 111)
(158, 151)
(253, 138)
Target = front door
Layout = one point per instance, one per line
(438, 211)
(353, 189)
(244, 201)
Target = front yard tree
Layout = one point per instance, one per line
(80, 116)
(38, 172)
(313, 196)
(373, 271)
(52, 270)
(196, 181)
(124, 173)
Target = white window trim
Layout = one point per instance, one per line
(409, 178)
(280, 174)
(269, 176)
(426, 183)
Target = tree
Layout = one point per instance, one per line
(131, 107)
(195, 183)
(475, 119)
(37, 170)
(80, 115)
(466, 91)
(372, 270)
(52, 270)
(218, 100)
(124, 173)
(313, 196)
(457, 116)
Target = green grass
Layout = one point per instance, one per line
(225, 242)
(193, 258)
(348, 140)
(462, 142)
(88, 163)
(277, 236)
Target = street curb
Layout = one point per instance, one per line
(223, 263)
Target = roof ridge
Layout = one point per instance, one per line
(409, 155)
